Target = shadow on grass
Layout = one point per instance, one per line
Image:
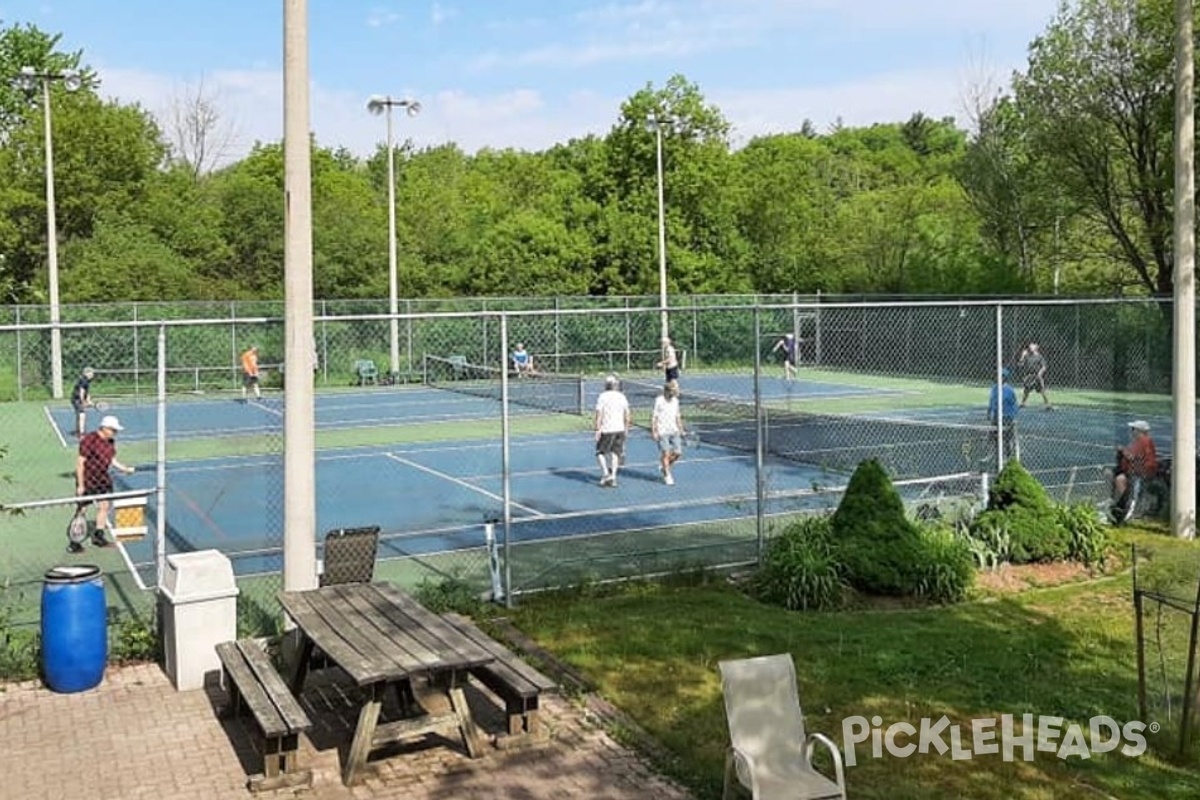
(654, 652)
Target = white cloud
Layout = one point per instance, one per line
(382, 17)
(888, 97)
(618, 32)
(440, 13)
(527, 119)
(251, 100)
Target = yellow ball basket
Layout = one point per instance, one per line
(129, 518)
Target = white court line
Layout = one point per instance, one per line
(460, 482)
(54, 426)
(266, 408)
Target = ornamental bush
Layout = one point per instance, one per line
(798, 569)
(946, 569)
(877, 546)
(1021, 514)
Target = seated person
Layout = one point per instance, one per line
(522, 361)
(1136, 462)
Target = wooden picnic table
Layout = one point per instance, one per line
(383, 639)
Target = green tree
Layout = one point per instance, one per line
(1096, 107)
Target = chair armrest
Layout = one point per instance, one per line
(743, 765)
(838, 768)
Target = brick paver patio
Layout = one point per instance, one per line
(135, 737)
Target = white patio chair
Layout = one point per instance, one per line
(770, 754)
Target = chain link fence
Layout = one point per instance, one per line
(478, 471)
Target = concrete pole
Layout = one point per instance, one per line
(299, 473)
(662, 233)
(56, 366)
(1183, 482)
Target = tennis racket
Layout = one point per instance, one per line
(691, 440)
(77, 528)
(100, 405)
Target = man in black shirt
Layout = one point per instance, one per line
(81, 398)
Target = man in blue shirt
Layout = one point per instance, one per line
(522, 361)
(1003, 398)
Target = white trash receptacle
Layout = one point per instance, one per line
(198, 609)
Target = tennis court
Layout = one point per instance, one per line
(434, 496)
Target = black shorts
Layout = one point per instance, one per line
(1033, 383)
(672, 373)
(78, 405)
(248, 379)
(95, 488)
(610, 444)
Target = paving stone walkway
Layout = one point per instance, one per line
(134, 737)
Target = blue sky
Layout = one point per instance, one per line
(529, 73)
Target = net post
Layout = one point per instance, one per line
(581, 389)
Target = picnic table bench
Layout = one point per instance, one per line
(515, 681)
(254, 684)
(383, 640)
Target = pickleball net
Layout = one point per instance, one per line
(908, 448)
(547, 391)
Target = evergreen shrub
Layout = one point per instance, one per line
(877, 546)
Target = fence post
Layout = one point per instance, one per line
(817, 335)
(233, 347)
(998, 387)
(557, 334)
(760, 427)
(408, 332)
(160, 501)
(20, 371)
(137, 376)
(628, 337)
(505, 465)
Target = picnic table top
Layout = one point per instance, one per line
(376, 632)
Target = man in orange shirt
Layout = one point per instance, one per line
(1136, 463)
(250, 372)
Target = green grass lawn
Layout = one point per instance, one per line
(1068, 651)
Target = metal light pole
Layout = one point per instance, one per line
(28, 79)
(657, 123)
(380, 104)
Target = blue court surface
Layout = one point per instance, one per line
(432, 499)
(192, 418)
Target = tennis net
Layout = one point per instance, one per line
(908, 448)
(543, 390)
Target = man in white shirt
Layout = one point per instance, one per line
(666, 426)
(670, 361)
(612, 423)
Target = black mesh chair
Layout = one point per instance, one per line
(350, 555)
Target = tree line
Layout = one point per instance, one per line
(1059, 181)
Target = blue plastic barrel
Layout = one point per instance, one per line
(74, 628)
